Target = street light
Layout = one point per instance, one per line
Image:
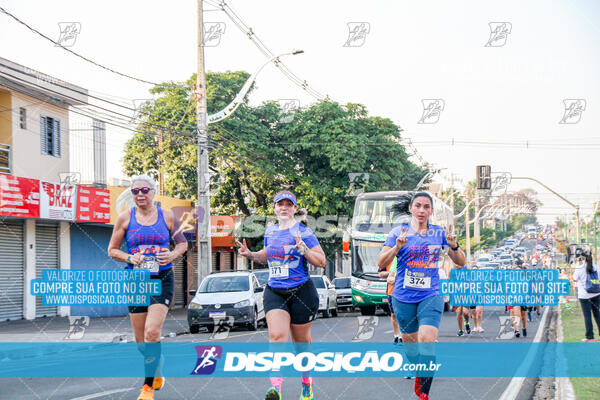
(203, 120)
(239, 98)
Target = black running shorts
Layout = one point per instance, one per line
(301, 302)
(165, 297)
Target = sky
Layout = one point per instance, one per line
(502, 103)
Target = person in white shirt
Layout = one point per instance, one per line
(590, 302)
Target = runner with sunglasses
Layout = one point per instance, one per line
(417, 245)
(291, 298)
(148, 229)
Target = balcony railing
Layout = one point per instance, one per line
(5, 157)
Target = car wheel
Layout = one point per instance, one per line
(194, 328)
(254, 324)
(326, 310)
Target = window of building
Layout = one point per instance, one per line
(22, 118)
(50, 136)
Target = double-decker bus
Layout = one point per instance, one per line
(374, 217)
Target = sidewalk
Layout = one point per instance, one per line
(102, 329)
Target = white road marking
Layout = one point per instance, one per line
(96, 395)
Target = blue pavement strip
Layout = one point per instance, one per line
(322, 359)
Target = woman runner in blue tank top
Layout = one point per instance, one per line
(148, 229)
(418, 306)
(291, 300)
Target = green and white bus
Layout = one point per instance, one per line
(374, 217)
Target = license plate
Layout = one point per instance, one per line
(385, 300)
(216, 314)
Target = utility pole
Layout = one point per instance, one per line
(476, 231)
(203, 193)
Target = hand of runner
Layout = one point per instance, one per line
(137, 259)
(401, 240)
(164, 257)
(243, 251)
(300, 245)
(391, 279)
(451, 237)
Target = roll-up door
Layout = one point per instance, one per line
(180, 284)
(215, 261)
(226, 261)
(12, 270)
(46, 257)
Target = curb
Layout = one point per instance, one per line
(564, 387)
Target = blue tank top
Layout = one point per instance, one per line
(148, 239)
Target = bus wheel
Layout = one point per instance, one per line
(367, 310)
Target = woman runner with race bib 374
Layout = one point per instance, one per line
(417, 303)
(291, 299)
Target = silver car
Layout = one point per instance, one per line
(236, 297)
(343, 289)
(327, 295)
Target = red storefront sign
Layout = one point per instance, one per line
(93, 205)
(19, 197)
(57, 200)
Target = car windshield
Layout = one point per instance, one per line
(342, 283)
(262, 276)
(219, 284)
(318, 281)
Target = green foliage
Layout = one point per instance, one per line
(255, 153)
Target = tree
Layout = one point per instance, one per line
(255, 152)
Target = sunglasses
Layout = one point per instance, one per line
(144, 190)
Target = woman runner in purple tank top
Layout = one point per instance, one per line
(291, 299)
(148, 230)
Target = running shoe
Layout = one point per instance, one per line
(417, 386)
(517, 333)
(460, 333)
(273, 394)
(396, 340)
(524, 332)
(468, 328)
(307, 392)
(424, 396)
(588, 340)
(146, 393)
(158, 382)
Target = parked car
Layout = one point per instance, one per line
(343, 290)
(262, 275)
(327, 295)
(493, 265)
(236, 295)
(484, 257)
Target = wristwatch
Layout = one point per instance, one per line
(455, 248)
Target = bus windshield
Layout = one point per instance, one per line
(377, 216)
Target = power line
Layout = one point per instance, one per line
(79, 55)
(237, 21)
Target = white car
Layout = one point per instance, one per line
(484, 258)
(234, 297)
(327, 295)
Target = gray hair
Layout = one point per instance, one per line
(144, 177)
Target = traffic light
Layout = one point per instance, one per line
(484, 177)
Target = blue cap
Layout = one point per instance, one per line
(285, 195)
